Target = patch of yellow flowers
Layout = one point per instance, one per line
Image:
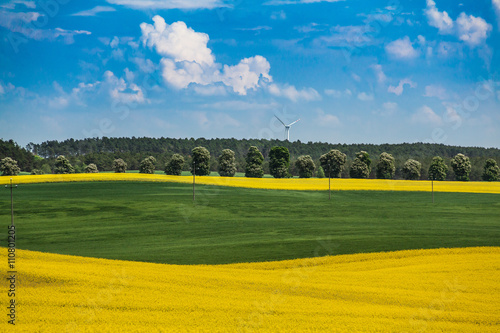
(270, 183)
(443, 290)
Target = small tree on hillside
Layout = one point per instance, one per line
(320, 173)
(227, 163)
(385, 166)
(254, 160)
(119, 166)
(438, 169)
(279, 161)
(305, 165)
(411, 170)
(147, 165)
(9, 167)
(201, 161)
(174, 166)
(91, 168)
(333, 163)
(491, 171)
(36, 172)
(461, 166)
(62, 166)
(360, 167)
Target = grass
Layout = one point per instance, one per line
(158, 222)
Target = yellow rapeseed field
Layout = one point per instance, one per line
(271, 183)
(443, 290)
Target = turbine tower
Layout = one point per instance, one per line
(287, 128)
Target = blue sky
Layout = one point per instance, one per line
(352, 71)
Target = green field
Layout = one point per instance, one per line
(158, 222)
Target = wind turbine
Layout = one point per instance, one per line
(287, 128)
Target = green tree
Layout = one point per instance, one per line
(360, 167)
(227, 163)
(320, 173)
(91, 168)
(254, 160)
(62, 166)
(438, 169)
(305, 165)
(385, 166)
(411, 170)
(491, 171)
(461, 166)
(279, 162)
(147, 165)
(174, 166)
(333, 163)
(9, 167)
(201, 161)
(119, 166)
(37, 172)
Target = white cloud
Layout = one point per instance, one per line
(326, 119)
(280, 15)
(435, 91)
(356, 77)
(121, 91)
(425, 115)
(437, 19)
(145, 65)
(468, 28)
(177, 41)
(472, 30)
(170, 4)
(346, 36)
(449, 49)
(94, 11)
(12, 21)
(247, 74)
(114, 42)
(388, 109)
(338, 93)
(496, 7)
(187, 59)
(12, 4)
(379, 73)
(2, 90)
(402, 49)
(365, 97)
(452, 116)
(390, 105)
(290, 92)
(398, 90)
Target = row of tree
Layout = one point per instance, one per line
(166, 146)
(104, 151)
(332, 164)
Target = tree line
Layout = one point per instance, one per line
(102, 152)
(332, 165)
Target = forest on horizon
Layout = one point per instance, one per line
(103, 151)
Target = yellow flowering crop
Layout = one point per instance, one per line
(271, 183)
(443, 290)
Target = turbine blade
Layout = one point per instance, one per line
(294, 122)
(280, 120)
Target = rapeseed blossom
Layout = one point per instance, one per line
(441, 290)
(315, 184)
